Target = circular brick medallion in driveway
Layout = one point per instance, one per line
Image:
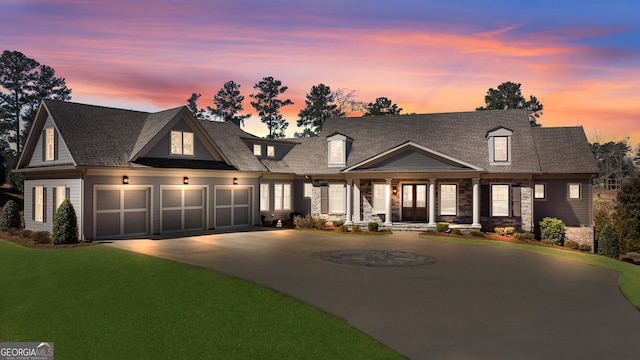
(376, 258)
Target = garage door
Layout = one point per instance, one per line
(182, 208)
(121, 212)
(233, 207)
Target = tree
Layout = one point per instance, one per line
(626, 218)
(65, 224)
(268, 105)
(613, 162)
(10, 218)
(192, 105)
(636, 156)
(347, 103)
(608, 242)
(228, 103)
(382, 106)
(320, 107)
(26, 82)
(509, 96)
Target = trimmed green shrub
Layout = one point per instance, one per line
(524, 236)
(343, 228)
(509, 230)
(26, 233)
(338, 223)
(41, 237)
(10, 218)
(442, 226)
(499, 230)
(306, 222)
(608, 243)
(320, 222)
(17, 181)
(356, 228)
(373, 226)
(572, 244)
(477, 233)
(552, 229)
(584, 247)
(456, 231)
(65, 224)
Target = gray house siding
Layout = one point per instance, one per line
(573, 212)
(283, 214)
(412, 160)
(163, 148)
(63, 156)
(74, 192)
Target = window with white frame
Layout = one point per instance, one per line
(181, 143)
(336, 198)
(336, 152)
(574, 191)
(50, 144)
(61, 195)
(308, 190)
(271, 151)
(38, 209)
(264, 197)
(499, 200)
(257, 149)
(282, 197)
(539, 191)
(500, 149)
(448, 199)
(379, 198)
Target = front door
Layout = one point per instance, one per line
(414, 202)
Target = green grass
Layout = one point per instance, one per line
(104, 303)
(629, 281)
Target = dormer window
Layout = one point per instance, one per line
(181, 143)
(257, 149)
(271, 151)
(499, 144)
(338, 147)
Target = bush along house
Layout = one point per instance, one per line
(137, 174)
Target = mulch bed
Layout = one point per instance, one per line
(31, 243)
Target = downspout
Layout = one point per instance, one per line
(82, 204)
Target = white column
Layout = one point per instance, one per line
(356, 200)
(432, 202)
(387, 202)
(349, 202)
(476, 203)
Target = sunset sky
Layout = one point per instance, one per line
(581, 59)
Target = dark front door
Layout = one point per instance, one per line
(414, 202)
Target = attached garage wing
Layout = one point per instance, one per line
(233, 206)
(183, 208)
(121, 211)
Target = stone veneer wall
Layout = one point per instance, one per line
(581, 235)
(524, 222)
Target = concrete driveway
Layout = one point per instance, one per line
(476, 302)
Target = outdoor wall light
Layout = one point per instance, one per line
(185, 180)
(235, 181)
(125, 179)
(395, 190)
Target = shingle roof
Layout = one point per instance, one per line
(564, 150)
(228, 136)
(152, 126)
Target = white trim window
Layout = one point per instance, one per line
(282, 197)
(38, 210)
(500, 149)
(499, 200)
(379, 197)
(257, 149)
(61, 195)
(539, 191)
(50, 144)
(308, 190)
(336, 198)
(336, 152)
(264, 197)
(271, 151)
(448, 199)
(182, 143)
(574, 191)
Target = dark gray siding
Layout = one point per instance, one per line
(63, 155)
(279, 150)
(412, 160)
(301, 204)
(273, 214)
(574, 212)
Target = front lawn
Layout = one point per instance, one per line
(629, 280)
(96, 302)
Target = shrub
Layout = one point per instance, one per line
(548, 242)
(477, 233)
(26, 233)
(306, 222)
(320, 222)
(552, 229)
(524, 236)
(338, 223)
(17, 181)
(499, 230)
(41, 237)
(65, 224)
(572, 244)
(293, 215)
(373, 226)
(14, 232)
(509, 230)
(608, 242)
(584, 247)
(10, 218)
(456, 231)
(356, 228)
(442, 226)
(343, 228)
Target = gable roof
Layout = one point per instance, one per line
(564, 150)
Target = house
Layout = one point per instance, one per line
(133, 174)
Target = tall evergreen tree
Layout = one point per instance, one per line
(382, 106)
(320, 106)
(192, 105)
(26, 82)
(268, 105)
(509, 96)
(228, 103)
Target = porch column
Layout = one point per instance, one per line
(476, 202)
(349, 202)
(356, 200)
(432, 202)
(387, 202)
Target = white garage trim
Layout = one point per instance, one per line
(122, 211)
(183, 209)
(233, 206)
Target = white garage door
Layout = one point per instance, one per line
(182, 208)
(121, 211)
(233, 206)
